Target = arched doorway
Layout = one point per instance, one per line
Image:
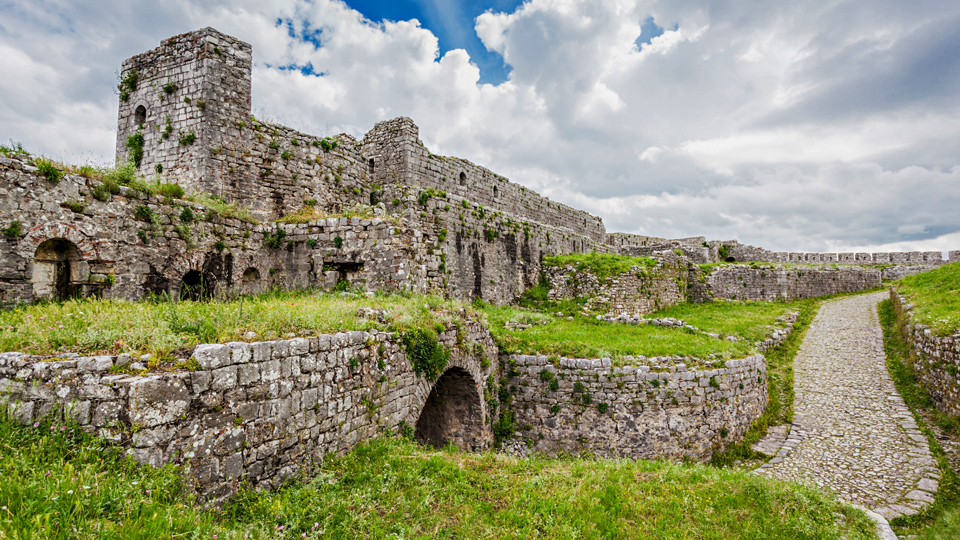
(57, 270)
(453, 413)
(196, 286)
(250, 283)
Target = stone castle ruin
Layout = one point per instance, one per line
(381, 213)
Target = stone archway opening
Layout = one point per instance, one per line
(453, 413)
(196, 286)
(250, 283)
(57, 270)
(140, 116)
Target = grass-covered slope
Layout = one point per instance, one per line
(63, 484)
(93, 326)
(936, 297)
(586, 337)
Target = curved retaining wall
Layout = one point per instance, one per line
(936, 358)
(255, 412)
(659, 410)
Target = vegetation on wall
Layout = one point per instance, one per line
(936, 298)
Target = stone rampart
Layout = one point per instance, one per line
(260, 412)
(661, 408)
(643, 290)
(133, 244)
(734, 251)
(743, 282)
(935, 359)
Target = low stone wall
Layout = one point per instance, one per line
(642, 290)
(660, 408)
(742, 282)
(936, 359)
(259, 412)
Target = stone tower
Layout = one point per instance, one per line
(187, 98)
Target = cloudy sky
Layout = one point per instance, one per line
(805, 125)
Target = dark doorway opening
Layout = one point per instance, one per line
(56, 270)
(196, 286)
(452, 413)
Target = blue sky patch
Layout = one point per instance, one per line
(452, 21)
(649, 30)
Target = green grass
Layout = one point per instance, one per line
(65, 485)
(941, 519)
(936, 298)
(754, 321)
(96, 326)
(602, 265)
(585, 337)
(780, 389)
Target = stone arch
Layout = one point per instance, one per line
(730, 259)
(65, 231)
(463, 178)
(496, 192)
(140, 116)
(371, 165)
(250, 281)
(452, 409)
(58, 270)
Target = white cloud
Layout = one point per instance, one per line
(792, 126)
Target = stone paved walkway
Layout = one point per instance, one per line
(852, 432)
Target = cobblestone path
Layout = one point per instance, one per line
(852, 432)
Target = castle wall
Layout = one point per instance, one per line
(663, 409)
(136, 244)
(741, 282)
(935, 359)
(252, 412)
(638, 292)
(744, 253)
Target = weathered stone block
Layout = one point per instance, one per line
(157, 400)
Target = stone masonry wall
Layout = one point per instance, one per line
(638, 292)
(742, 282)
(255, 412)
(659, 409)
(744, 253)
(135, 244)
(936, 359)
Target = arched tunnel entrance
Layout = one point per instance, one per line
(453, 413)
(57, 270)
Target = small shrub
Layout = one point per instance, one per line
(724, 432)
(714, 383)
(603, 407)
(312, 242)
(186, 215)
(143, 213)
(338, 242)
(135, 144)
(158, 167)
(201, 104)
(555, 408)
(328, 144)
(48, 170)
(76, 205)
(395, 202)
(219, 245)
(586, 398)
(405, 430)
(128, 84)
(427, 356)
(171, 191)
(14, 231)
(354, 363)
(188, 139)
(170, 87)
(295, 142)
(142, 235)
(275, 239)
(442, 236)
(286, 155)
